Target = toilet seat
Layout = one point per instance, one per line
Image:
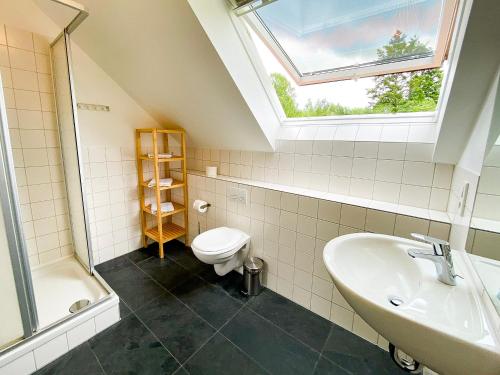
(222, 240)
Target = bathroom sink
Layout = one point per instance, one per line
(444, 327)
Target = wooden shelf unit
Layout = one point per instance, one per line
(164, 230)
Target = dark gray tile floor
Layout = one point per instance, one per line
(179, 317)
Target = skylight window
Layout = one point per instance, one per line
(338, 57)
(331, 40)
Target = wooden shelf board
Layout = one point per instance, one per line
(163, 160)
(170, 232)
(177, 208)
(167, 131)
(175, 184)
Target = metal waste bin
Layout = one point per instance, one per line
(252, 276)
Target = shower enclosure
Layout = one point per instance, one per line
(41, 299)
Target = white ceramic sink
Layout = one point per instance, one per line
(444, 327)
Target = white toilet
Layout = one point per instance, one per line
(225, 248)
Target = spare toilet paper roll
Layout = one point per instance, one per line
(200, 206)
(211, 171)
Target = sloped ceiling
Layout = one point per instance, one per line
(157, 51)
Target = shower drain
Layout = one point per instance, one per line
(78, 305)
(396, 301)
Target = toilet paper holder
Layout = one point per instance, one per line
(200, 205)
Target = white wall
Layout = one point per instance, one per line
(115, 128)
(163, 59)
(108, 140)
(392, 172)
(473, 155)
(487, 202)
(469, 168)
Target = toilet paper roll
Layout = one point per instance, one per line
(211, 171)
(200, 206)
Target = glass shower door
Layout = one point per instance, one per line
(18, 316)
(70, 147)
(11, 324)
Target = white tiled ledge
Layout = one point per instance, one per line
(411, 129)
(485, 225)
(421, 213)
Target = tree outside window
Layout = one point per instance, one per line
(416, 91)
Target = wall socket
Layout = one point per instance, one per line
(238, 194)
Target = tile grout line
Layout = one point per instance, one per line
(97, 358)
(321, 352)
(244, 305)
(288, 334)
(157, 338)
(217, 331)
(173, 295)
(192, 273)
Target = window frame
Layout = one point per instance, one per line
(460, 18)
(448, 16)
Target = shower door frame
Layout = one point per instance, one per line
(65, 35)
(10, 209)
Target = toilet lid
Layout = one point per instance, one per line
(219, 239)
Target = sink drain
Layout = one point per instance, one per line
(78, 305)
(396, 301)
(405, 361)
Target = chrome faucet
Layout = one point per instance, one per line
(440, 256)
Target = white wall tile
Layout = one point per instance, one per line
(24, 80)
(329, 211)
(342, 317)
(22, 59)
(30, 119)
(415, 196)
(362, 188)
(342, 166)
(308, 206)
(389, 170)
(405, 225)
(353, 216)
(81, 333)
(343, 148)
(23, 365)
(320, 306)
(51, 350)
(19, 38)
(362, 329)
(322, 147)
(394, 133)
(27, 100)
(4, 56)
(442, 176)
(366, 149)
(380, 222)
(107, 318)
(386, 191)
(363, 168)
(419, 152)
(418, 173)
